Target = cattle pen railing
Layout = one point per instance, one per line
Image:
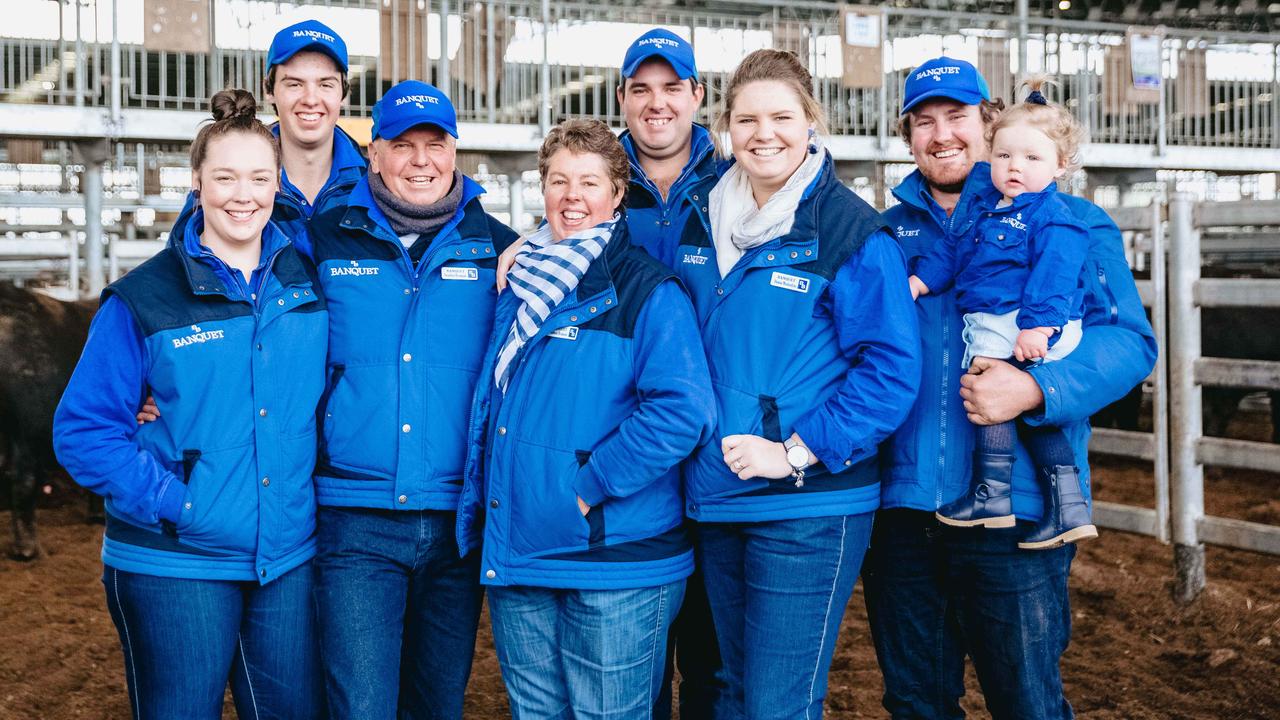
(1177, 446)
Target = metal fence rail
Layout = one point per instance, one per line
(505, 62)
(1177, 445)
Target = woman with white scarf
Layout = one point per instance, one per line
(812, 342)
(594, 388)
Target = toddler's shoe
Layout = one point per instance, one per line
(989, 502)
(1066, 514)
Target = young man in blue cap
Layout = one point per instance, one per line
(407, 265)
(936, 593)
(307, 82)
(659, 96)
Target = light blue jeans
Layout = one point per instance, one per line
(582, 654)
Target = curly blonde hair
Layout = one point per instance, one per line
(1055, 121)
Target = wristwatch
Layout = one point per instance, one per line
(797, 458)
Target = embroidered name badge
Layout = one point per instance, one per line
(198, 336)
(694, 259)
(459, 273)
(790, 282)
(565, 333)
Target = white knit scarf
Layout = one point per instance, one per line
(737, 225)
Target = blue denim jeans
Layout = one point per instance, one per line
(582, 654)
(692, 647)
(778, 591)
(183, 639)
(936, 594)
(398, 612)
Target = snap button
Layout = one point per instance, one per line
(457, 252)
(406, 291)
(306, 292)
(770, 256)
(502, 430)
(719, 291)
(259, 346)
(253, 296)
(408, 357)
(488, 250)
(795, 254)
(593, 308)
(403, 499)
(807, 253)
(263, 573)
(848, 463)
(474, 251)
(405, 428)
(280, 301)
(187, 505)
(266, 482)
(262, 412)
(608, 301)
(296, 296)
(490, 574)
(573, 318)
(493, 503)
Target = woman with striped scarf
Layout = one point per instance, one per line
(595, 387)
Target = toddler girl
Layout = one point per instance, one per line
(1017, 281)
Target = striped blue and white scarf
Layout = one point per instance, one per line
(544, 274)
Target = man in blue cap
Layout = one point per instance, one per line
(659, 96)
(936, 593)
(306, 82)
(407, 265)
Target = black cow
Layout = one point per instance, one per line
(1234, 333)
(40, 343)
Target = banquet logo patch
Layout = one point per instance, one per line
(198, 336)
(353, 269)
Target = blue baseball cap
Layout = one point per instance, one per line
(662, 44)
(307, 35)
(411, 103)
(944, 77)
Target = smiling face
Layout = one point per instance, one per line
(307, 95)
(237, 181)
(946, 140)
(578, 192)
(1024, 159)
(417, 166)
(769, 134)
(659, 109)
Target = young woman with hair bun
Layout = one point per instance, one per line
(210, 508)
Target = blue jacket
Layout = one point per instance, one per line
(219, 487)
(813, 332)
(928, 461)
(1026, 256)
(655, 224)
(292, 213)
(603, 404)
(405, 344)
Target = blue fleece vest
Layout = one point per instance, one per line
(774, 354)
(240, 383)
(568, 426)
(405, 345)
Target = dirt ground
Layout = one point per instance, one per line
(1134, 655)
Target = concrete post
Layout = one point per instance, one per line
(515, 186)
(1023, 32)
(444, 48)
(544, 77)
(93, 153)
(1186, 492)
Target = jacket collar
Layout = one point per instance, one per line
(348, 162)
(978, 192)
(202, 266)
(599, 277)
(363, 211)
(701, 161)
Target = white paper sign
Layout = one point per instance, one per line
(862, 30)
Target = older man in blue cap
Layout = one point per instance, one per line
(407, 265)
(936, 593)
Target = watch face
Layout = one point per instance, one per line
(797, 456)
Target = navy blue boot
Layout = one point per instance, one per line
(1066, 515)
(989, 502)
